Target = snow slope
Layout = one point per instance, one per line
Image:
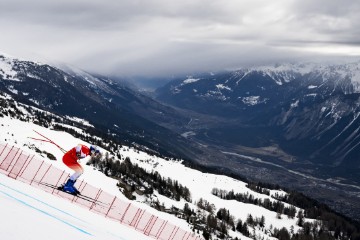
(30, 213)
(17, 133)
(18, 197)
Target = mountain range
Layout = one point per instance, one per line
(291, 124)
(310, 111)
(174, 200)
(109, 105)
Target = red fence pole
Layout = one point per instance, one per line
(12, 159)
(25, 166)
(148, 224)
(57, 183)
(123, 216)
(177, 229)
(7, 154)
(83, 186)
(163, 225)
(110, 206)
(96, 198)
(45, 173)
(139, 218)
(14, 163)
(136, 216)
(3, 149)
(37, 172)
(22, 167)
(152, 225)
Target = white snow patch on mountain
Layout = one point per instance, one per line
(34, 101)
(295, 104)
(190, 80)
(222, 86)
(12, 89)
(286, 72)
(80, 120)
(253, 100)
(6, 69)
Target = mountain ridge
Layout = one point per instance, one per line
(262, 219)
(132, 118)
(108, 104)
(311, 104)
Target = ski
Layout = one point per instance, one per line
(78, 195)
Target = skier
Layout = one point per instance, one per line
(70, 159)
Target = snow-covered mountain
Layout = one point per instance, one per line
(210, 194)
(310, 110)
(101, 111)
(107, 104)
(16, 133)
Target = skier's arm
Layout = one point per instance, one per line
(78, 151)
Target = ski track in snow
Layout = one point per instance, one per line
(44, 212)
(38, 200)
(29, 213)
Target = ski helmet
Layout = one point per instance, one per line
(94, 150)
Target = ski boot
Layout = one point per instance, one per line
(69, 187)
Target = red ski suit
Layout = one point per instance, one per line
(71, 158)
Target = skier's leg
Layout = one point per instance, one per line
(74, 165)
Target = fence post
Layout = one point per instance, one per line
(184, 235)
(12, 159)
(96, 198)
(3, 149)
(81, 185)
(25, 166)
(177, 229)
(22, 167)
(45, 174)
(57, 183)
(15, 163)
(37, 172)
(163, 225)
(148, 225)
(138, 220)
(123, 216)
(136, 216)
(110, 206)
(75, 198)
(6, 155)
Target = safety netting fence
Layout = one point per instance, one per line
(19, 165)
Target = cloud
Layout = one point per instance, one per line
(161, 37)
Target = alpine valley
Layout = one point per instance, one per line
(293, 124)
(296, 125)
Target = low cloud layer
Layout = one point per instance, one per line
(161, 37)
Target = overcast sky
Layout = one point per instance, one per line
(165, 37)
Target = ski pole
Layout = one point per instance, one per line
(49, 141)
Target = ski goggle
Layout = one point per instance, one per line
(94, 152)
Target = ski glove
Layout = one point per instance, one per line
(78, 155)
